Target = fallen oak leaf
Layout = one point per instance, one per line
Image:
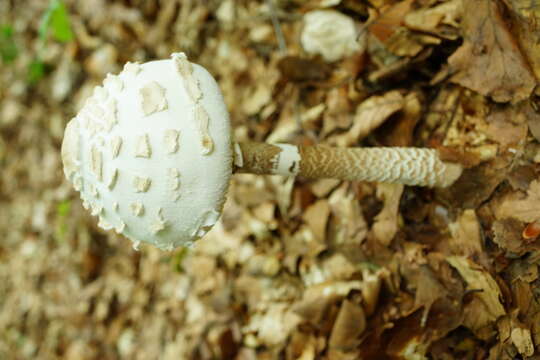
(387, 221)
(507, 234)
(390, 20)
(466, 239)
(441, 20)
(516, 206)
(349, 325)
(480, 280)
(370, 114)
(297, 69)
(490, 61)
(316, 299)
(521, 338)
(524, 16)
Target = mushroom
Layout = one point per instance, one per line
(329, 33)
(152, 156)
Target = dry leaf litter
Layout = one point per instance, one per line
(295, 269)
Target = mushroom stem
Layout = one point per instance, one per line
(402, 165)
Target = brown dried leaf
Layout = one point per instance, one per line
(338, 267)
(442, 19)
(400, 132)
(522, 176)
(316, 217)
(297, 69)
(390, 20)
(507, 234)
(274, 325)
(489, 293)
(287, 124)
(303, 347)
(370, 114)
(316, 299)
(525, 16)
(349, 325)
(526, 304)
(533, 121)
(428, 288)
(158, 31)
(478, 320)
(323, 187)
(404, 42)
(521, 337)
(413, 348)
(507, 127)
(465, 233)
(348, 225)
(265, 213)
(371, 287)
(257, 98)
(251, 190)
(477, 184)
(490, 61)
(283, 188)
(523, 208)
(386, 222)
(339, 112)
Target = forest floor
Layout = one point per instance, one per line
(296, 268)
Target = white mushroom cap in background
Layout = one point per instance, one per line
(330, 34)
(151, 153)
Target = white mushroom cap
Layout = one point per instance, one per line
(151, 153)
(330, 34)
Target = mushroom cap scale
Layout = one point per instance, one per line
(152, 160)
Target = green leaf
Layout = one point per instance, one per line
(8, 48)
(36, 71)
(56, 19)
(63, 208)
(60, 23)
(178, 259)
(44, 24)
